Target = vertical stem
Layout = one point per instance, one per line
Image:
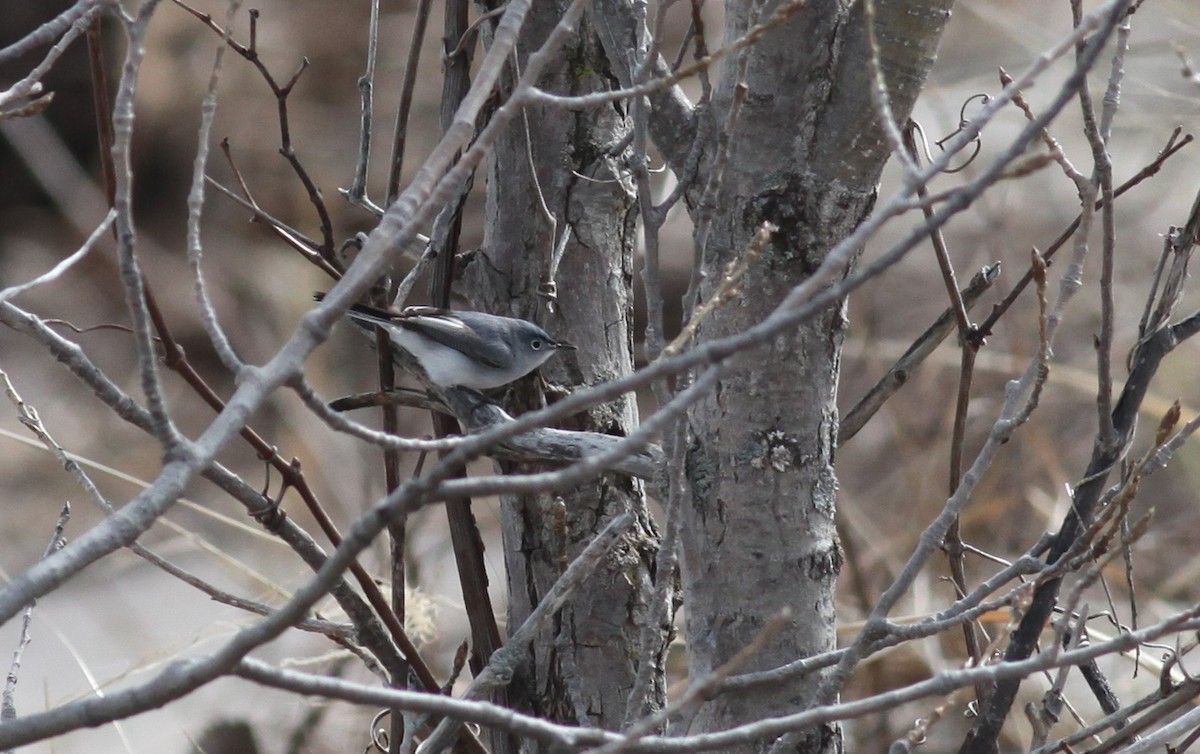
(406, 97)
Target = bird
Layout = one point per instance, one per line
(463, 348)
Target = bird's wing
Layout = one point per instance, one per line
(452, 332)
(440, 325)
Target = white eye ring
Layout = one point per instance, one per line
(536, 344)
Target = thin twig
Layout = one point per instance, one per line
(8, 703)
(49, 32)
(281, 93)
(400, 136)
(292, 237)
(706, 203)
(195, 250)
(31, 85)
(916, 354)
(1173, 145)
(357, 193)
(881, 101)
(55, 272)
(132, 280)
(503, 664)
(1102, 182)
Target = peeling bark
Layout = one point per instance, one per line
(581, 671)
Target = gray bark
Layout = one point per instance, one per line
(582, 669)
(806, 153)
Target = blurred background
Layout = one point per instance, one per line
(109, 626)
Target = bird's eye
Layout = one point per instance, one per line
(536, 344)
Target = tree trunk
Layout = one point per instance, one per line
(582, 669)
(805, 155)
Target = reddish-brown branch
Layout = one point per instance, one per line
(1173, 145)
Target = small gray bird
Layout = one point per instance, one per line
(464, 349)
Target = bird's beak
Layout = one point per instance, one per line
(563, 345)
